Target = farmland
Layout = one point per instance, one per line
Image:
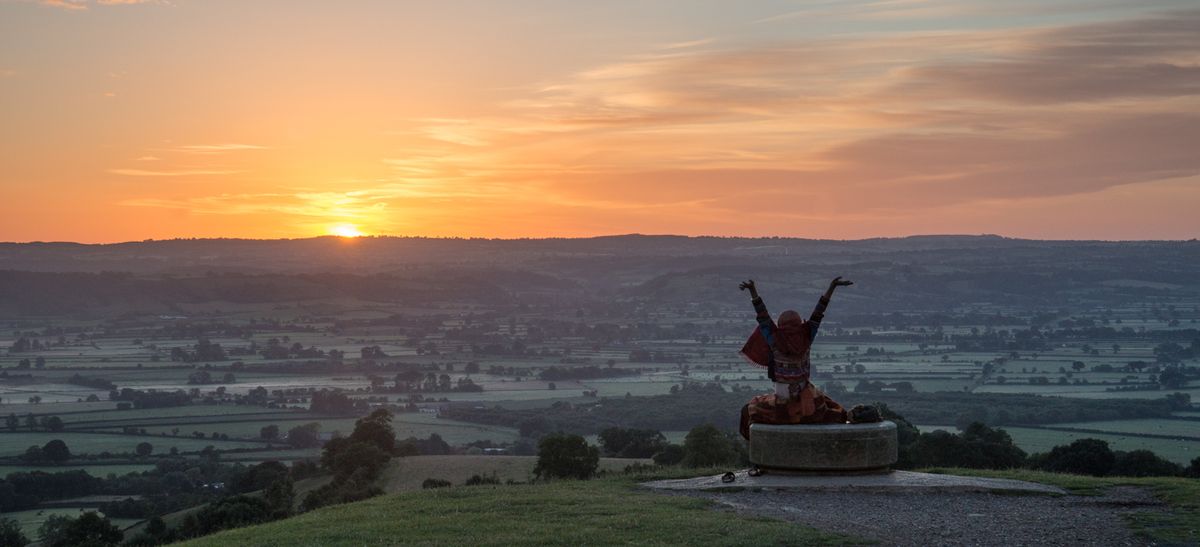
(169, 372)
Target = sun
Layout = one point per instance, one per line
(345, 230)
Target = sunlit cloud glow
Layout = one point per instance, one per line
(907, 116)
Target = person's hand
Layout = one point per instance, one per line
(839, 282)
(748, 284)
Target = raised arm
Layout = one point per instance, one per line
(814, 321)
(760, 309)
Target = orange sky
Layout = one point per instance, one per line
(127, 120)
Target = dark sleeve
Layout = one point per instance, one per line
(814, 321)
(764, 319)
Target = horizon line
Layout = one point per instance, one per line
(583, 238)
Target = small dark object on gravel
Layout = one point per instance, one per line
(865, 414)
(728, 477)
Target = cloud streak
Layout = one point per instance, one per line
(78, 5)
(172, 173)
(872, 133)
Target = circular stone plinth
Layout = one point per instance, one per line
(826, 447)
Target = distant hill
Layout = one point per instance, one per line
(926, 273)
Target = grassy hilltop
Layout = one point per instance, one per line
(605, 511)
(615, 511)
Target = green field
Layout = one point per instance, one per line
(1034, 440)
(151, 414)
(93, 470)
(1042, 440)
(1182, 428)
(13, 444)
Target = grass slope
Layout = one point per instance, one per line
(605, 511)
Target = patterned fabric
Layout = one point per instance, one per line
(784, 347)
(810, 407)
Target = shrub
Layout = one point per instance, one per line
(1083, 457)
(671, 454)
(566, 456)
(477, 480)
(706, 446)
(430, 484)
(1143, 463)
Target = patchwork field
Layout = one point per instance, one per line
(1035, 440)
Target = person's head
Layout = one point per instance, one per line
(793, 333)
(790, 319)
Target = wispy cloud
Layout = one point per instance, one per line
(84, 4)
(897, 129)
(171, 173)
(914, 120)
(217, 148)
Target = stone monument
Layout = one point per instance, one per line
(824, 448)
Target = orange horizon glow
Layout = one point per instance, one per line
(345, 230)
(129, 120)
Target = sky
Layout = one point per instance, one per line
(124, 120)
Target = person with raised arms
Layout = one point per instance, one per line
(783, 348)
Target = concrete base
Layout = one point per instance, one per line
(894, 481)
(827, 448)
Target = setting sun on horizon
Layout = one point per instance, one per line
(1050, 119)
(345, 230)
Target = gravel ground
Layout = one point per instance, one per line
(958, 518)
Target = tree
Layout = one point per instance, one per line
(706, 446)
(280, 495)
(1144, 463)
(376, 429)
(671, 454)
(304, 436)
(1172, 378)
(11, 534)
(144, 449)
(1084, 457)
(357, 457)
(33, 454)
(270, 432)
(1193, 469)
(631, 443)
(561, 455)
(230, 512)
(89, 529)
(12, 422)
(978, 446)
(56, 451)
